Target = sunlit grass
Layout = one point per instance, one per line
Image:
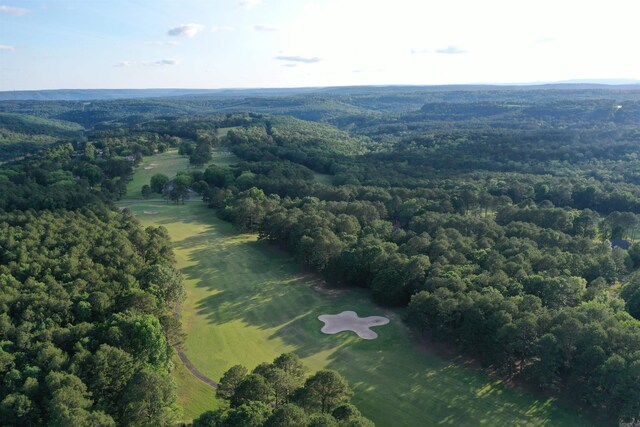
(222, 157)
(248, 302)
(169, 164)
(194, 396)
(323, 178)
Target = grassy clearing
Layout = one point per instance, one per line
(224, 158)
(247, 303)
(322, 178)
(169, 164)
(224, 131)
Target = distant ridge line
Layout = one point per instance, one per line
(121, 94)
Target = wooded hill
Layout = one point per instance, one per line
(89, 301)
(488, 213)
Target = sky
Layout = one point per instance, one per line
(82, 44)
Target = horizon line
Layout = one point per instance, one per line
(601, 82)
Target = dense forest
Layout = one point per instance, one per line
(23, 134)
(495, 239)
(89, 308)
(504, 222)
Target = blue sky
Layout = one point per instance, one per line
(50, 44)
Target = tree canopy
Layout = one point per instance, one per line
(277, 394)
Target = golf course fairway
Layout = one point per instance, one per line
(248, 302)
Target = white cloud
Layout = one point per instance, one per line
(166, 61)
(299, 59)
(7, 48)
(186, 30)
(248, 4)
(15, 11)
(290, 65)
(265, 28)
(380, 45)
(160, 62)
(217, 28)
(164, 43)
(454, 50)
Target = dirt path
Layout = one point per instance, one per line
(202, 377)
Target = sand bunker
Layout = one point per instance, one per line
(349, 321)
(150, 212)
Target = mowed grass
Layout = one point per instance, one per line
(194, 396)
(323, 178)
(169, 164)
(247, 303)
(224, 158)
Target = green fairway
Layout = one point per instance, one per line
(166, 163)
(195, 396)
(224, 158)
(169, 164)
(247, 303)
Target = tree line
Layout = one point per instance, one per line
(493, 263)
(88, 318)
(89, 308)
(278, 394)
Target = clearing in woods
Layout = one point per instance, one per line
(248, 302)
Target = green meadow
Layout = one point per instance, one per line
(248, 302)
(169, 164)
(323, 178)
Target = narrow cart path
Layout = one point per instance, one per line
(202, 377)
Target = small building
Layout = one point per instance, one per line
(620, 243)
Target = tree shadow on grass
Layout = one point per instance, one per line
(436, 391)
(169, 213)
(189, 213)
(262, 288)
(394, 381)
